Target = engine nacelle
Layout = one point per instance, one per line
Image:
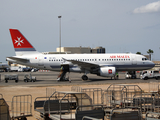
(107, 71)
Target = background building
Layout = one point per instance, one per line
(81, 50)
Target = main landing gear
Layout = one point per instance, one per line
(84, 77)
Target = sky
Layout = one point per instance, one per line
(119, 26)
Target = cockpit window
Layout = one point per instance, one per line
(143, 59)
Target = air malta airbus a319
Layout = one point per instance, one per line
(105, 65)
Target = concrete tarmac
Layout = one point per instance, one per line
(50, 79)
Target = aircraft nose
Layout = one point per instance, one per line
(152, 64)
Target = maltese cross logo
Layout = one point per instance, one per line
(19, 41)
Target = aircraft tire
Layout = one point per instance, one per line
(25, 80)
(34, 80)
(84, 77)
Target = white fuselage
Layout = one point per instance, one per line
(122, 62)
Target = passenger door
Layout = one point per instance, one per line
(134, 60)
(40, 61)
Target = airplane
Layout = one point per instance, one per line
(4, 66)
(105, 65)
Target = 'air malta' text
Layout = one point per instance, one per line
(119, 56)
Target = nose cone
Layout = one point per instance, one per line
(152, 64)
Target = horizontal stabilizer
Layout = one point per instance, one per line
(18, 59)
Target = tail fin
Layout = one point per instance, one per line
(20, 43)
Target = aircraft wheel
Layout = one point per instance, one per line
(25, 80)
(84, 77)
(34, 80)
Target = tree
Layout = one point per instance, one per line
(138, 53)
(150, 52)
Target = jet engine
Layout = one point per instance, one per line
(107, 71)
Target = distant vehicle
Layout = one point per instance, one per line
(127, 75)
(14, 69)
(34, 70)
(26, 69)
(4, 66)
(29, 78)
(150, 74)
(131, 75)
(19, 69)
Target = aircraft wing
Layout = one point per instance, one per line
(18, 59)
(84, 65)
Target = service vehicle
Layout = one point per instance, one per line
(150, 74)
(29, 78)
(13, 69)
(19, 69)
(130, 75)
(26, 69)
(11, 77)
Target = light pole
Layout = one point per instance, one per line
(60, 33)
